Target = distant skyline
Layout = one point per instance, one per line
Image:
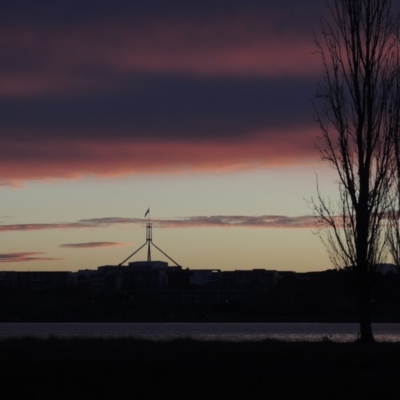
(200, 111)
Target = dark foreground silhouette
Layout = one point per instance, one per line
(187, 369)
(328, 296)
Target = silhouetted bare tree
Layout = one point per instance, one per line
(394, 213)
(356, 115)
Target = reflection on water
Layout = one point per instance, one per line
(201, 331)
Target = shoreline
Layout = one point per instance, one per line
(222, 331)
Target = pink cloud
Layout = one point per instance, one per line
(57, 60)
(236, 221)
(229, 221)
(25, 257)
(82, 224)
(245, 46)
(76, 158)
(93, 245)
(44, 60)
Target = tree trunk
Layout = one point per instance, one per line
(364, 305)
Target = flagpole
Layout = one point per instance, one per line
(149, 242)
(149, 236)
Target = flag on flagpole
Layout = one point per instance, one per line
(148, 210)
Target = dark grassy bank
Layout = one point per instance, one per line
(187, 369)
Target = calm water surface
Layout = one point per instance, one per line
(201, 331)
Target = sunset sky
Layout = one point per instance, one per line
(199, 110)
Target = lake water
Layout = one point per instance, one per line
(201, 331)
